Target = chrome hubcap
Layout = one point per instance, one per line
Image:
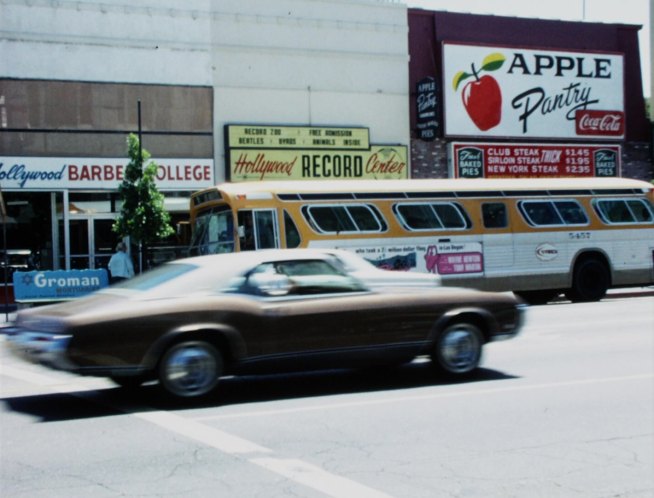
(460, 349)
(190, 371)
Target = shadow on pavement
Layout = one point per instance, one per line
(238, 390)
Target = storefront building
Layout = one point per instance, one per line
(302, 89)
(508, 97)
(72, 74)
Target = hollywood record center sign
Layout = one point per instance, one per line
(271, 152)
(499, 91)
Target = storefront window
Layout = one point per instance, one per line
(25, 237)
(28, 228)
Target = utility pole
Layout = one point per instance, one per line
(3, 213)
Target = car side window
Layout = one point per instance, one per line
(303, 277)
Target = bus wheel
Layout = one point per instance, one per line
(190, 369)
(590, 281)
(458, 349)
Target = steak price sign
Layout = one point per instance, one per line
(512, 160)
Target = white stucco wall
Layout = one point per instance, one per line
(300, 62)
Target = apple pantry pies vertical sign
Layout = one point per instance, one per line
(532, 93)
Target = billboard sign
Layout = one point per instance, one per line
(58, 284)
(101, 173)
(512, 160)
(426, 117)
(381, 162)
(497, 91)
(296, 137)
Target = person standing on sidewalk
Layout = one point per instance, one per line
(120, 265)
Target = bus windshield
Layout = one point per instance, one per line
(213, 232)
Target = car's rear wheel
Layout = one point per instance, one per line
(458, 349)
(190, 369)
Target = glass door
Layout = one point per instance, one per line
(104, 241)
(79, 243)
(92, 242)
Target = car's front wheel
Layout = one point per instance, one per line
(458, 349)
(190, 369)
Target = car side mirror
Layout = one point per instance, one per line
(271, 284)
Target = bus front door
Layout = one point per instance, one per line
(258, 229)
(498, 245)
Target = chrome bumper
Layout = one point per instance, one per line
(511, 330)
(40, 347)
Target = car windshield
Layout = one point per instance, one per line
(155, 277)
(180, 278)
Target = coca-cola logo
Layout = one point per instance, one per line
(604, 123)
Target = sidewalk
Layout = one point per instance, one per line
(7, 318)
(630, 292)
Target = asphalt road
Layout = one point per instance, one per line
(564, 410)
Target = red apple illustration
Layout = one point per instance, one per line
(482, 97)
(483, 101)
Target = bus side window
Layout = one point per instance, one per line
(640, 211)
(624, 211)
(571, 212)
(367, 218)
(417, 216)
(346, 218)
(450, 216)
(494, 215)
(432, 216)
(292, 233)
(614, 211)
(540, 213)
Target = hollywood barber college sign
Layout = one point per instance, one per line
(79, 173)
(517, 92)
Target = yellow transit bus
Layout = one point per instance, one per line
(536, 237)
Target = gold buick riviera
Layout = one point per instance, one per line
(192, 321)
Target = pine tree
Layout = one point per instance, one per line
(142, 216)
